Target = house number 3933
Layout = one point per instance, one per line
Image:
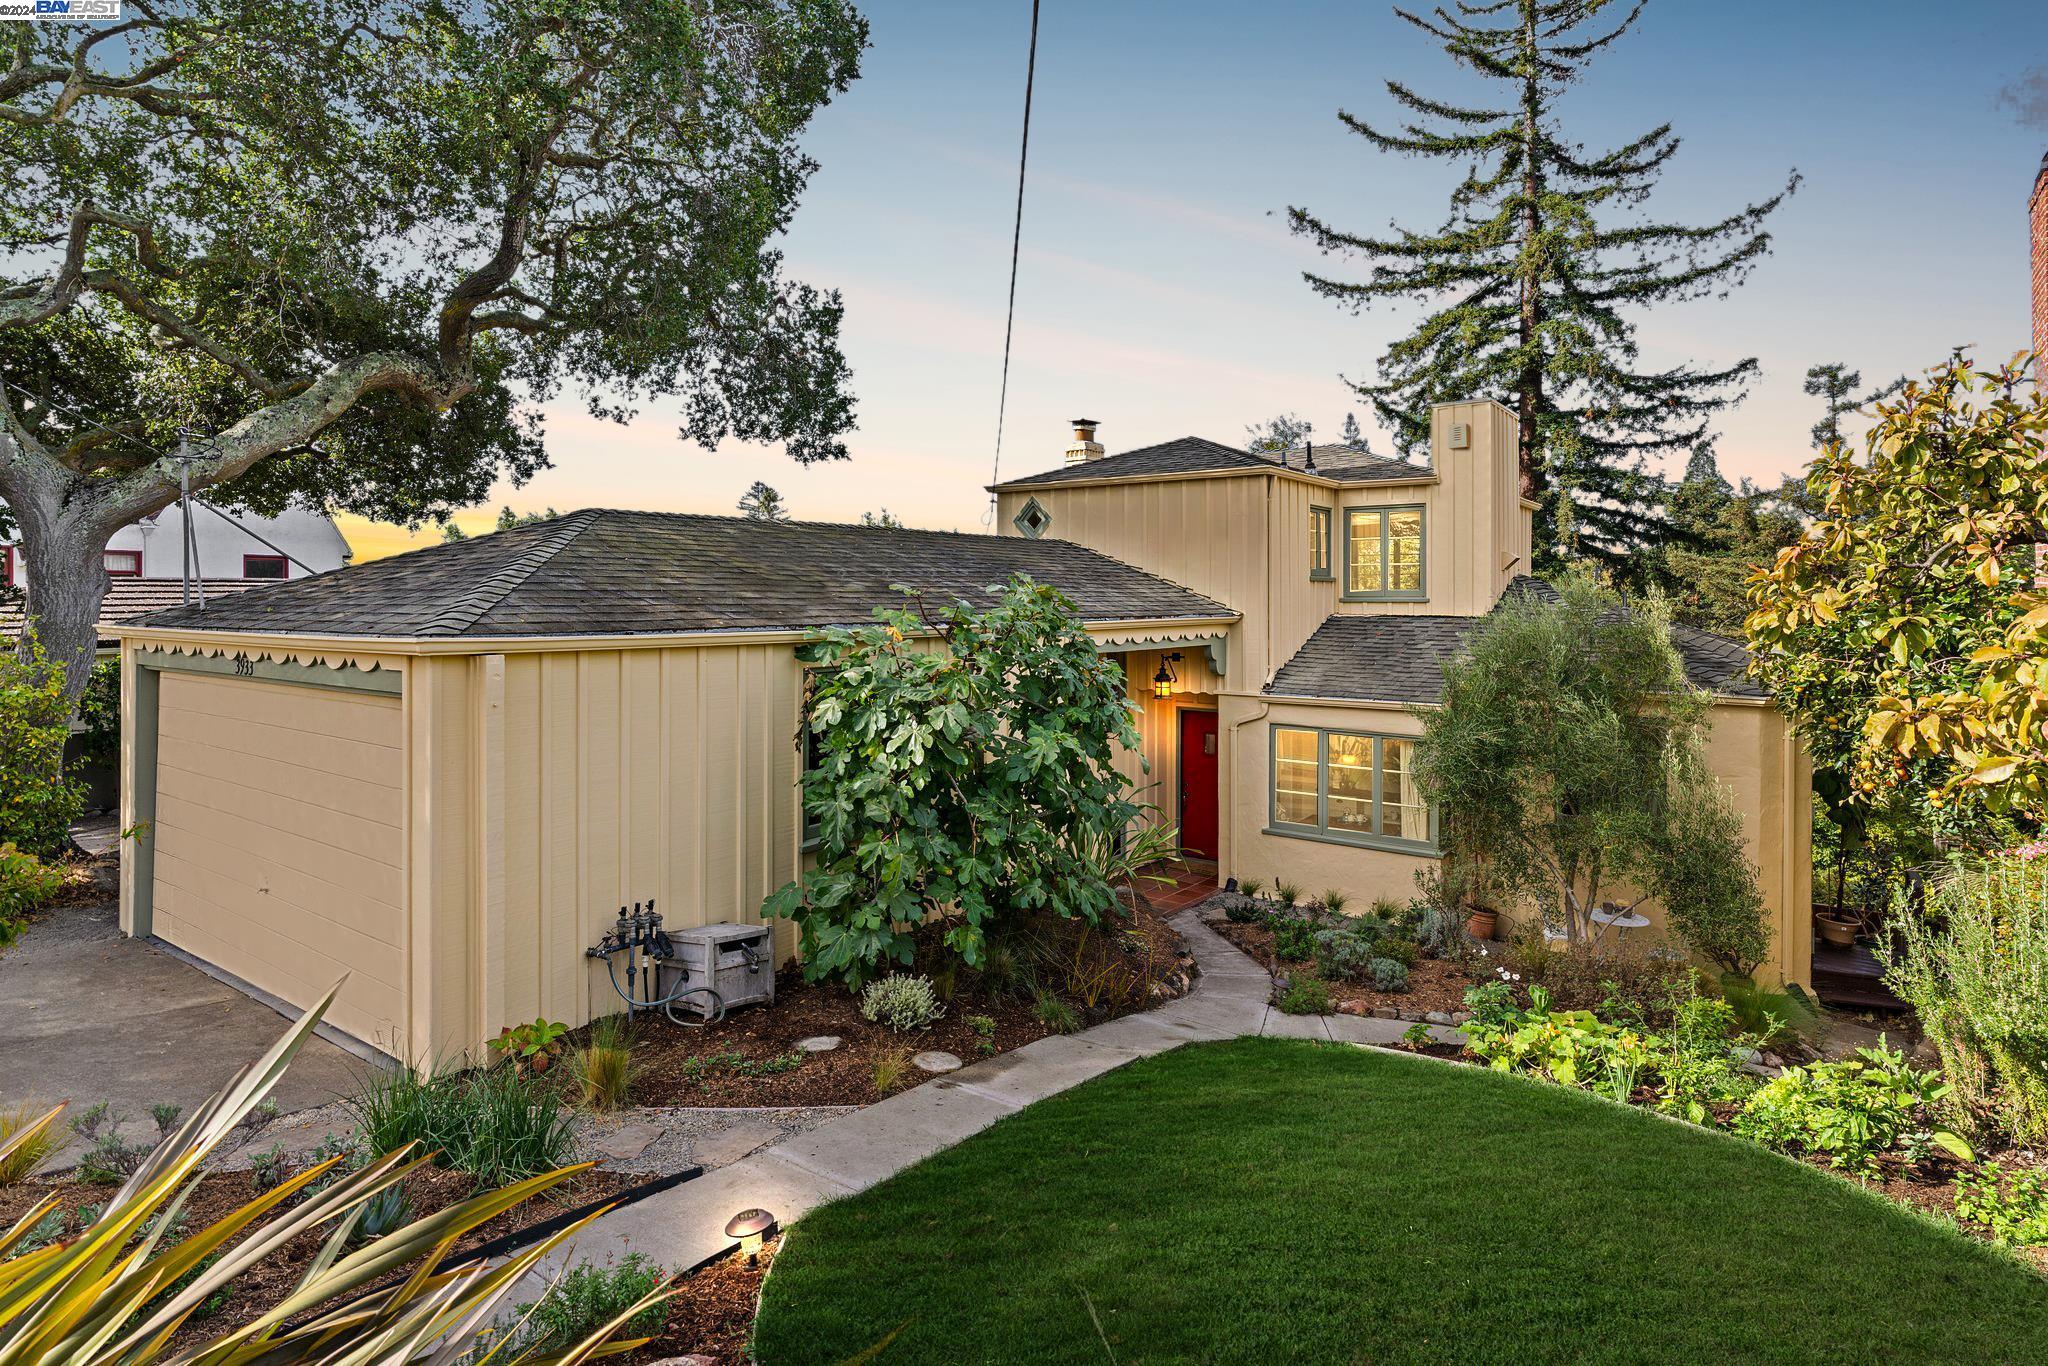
(245, 668)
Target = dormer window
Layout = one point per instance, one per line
(1319, 534)
(265, 567)
(1383, 554)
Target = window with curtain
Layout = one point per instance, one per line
(1349, 787)
(1319, 543)
(1383, 553)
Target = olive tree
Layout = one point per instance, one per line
(1566, 761)
(340, 250)
(967, 784)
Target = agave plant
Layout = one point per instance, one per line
(119, 1291)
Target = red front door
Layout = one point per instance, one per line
(1198, 784)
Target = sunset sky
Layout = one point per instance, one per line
(1160, 291)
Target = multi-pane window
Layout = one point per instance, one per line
(1346, 786)
(811, 752)
(1319, 543)
(1383, 553)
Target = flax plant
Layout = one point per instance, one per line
(121, 1290)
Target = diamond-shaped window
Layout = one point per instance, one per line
(1032, 519)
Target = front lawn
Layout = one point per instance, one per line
(1262, 1201)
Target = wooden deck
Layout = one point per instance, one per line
(1852, 978)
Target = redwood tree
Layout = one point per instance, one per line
(339, 249)
(1531, 282)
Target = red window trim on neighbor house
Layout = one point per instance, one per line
(249, 563)
(130, 566)
(7, 567)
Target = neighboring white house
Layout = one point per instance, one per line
(228, 545)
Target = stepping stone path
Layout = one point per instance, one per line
(818, 1043)
(937, 1061)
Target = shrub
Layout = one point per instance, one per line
(498, 1124)
(38, 801)
(1572, 1047)
(2012, 1205)
(1340, 953)
(25, 884)
(1850, 1110)
(1707, 882)
(1387, 909)
(950, 759)
(1975, 966)
(531, 1047)
(110, 1159)
(1251, 887)
(1768, 1012)
(901, 1002)
(602, 1070)
(1294, 938)
(26, 1142)
(1440, 931)
(588, 1297)
(1402, 951)
(268, 1170)
(1700, 1065)
(1288, 894)
(1335, 901)
(1306, 994)
(1055, 1014)
(1389, 974)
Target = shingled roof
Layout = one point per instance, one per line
(1402, 658)
(601, 572)
(1198, 455)
(128, 598)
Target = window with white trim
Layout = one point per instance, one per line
(1349, 786)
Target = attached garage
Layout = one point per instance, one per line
(442, 774)
(280, 839)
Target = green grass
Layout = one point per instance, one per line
(1267, 1201)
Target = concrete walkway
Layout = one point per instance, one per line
(683, 1226)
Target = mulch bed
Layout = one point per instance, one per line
(750, 1058)
(1432, 984)
(713, 1315)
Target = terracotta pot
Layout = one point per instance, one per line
(1841, 933)
(1481, 923)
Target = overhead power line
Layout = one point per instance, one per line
(1016, 242)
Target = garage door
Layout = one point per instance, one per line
(280, 843)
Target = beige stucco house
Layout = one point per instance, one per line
(443, 773)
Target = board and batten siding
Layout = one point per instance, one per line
(564, 785)
(279, 841)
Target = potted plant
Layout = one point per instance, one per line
(1835, 929)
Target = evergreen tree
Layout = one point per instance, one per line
(1530, 280)
(884, 518)
(761, 503)
(1278, 436)
(1835, 385)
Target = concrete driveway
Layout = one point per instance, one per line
(88, 1016)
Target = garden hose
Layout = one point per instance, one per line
(667, 1004)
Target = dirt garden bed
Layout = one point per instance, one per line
(753, 1058)
(1434, 987)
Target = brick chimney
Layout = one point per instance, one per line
(2037, 209)
(1085, 447)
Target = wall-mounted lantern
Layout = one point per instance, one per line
(1163, 681)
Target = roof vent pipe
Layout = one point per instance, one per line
(1308, 464)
